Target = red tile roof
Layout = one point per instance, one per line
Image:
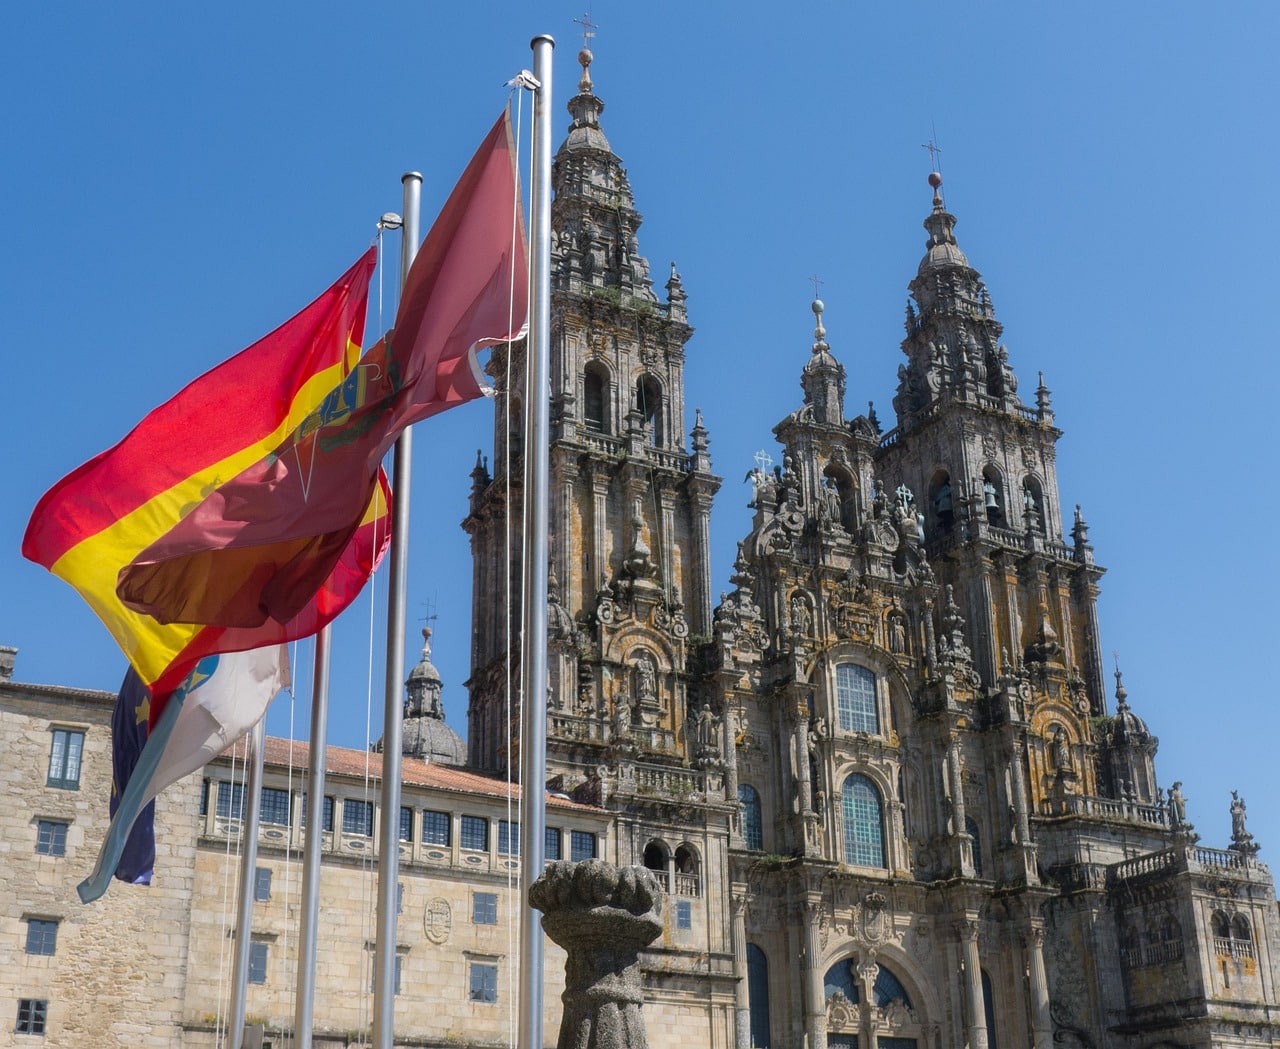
(343, 761)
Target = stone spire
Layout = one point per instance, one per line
(953, 343)
(595, 220)
(823, 377)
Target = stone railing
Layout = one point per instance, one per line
(686, 884)
(600, 442)
(1232, 948)
(1161, 953)
(668, 459)
(1191, 858)
(1105, 808)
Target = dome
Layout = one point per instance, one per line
(432, 740)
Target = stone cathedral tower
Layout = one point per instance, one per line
(630, 502)
(944, 838)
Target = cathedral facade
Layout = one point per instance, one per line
(891, 793)
(884, 770)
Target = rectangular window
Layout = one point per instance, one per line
(257, 963)
(373, 976)
(551, 844)
(436, 828)
(684, 914)
(275, 807)
(406, 823)
(31, 1015)
(484, 908)
(230, 800)
(475, 833)
(326, 814)
(856, 699)
(204, 798)
(262, 884)
(484, 982)
(508, 838)
(42, 935)
(65, 751)
(51, 837)
(357, 817)
(582, 846)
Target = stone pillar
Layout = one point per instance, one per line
(815, 999)
(867, 972)
(729, 748)
(1042, 1025)
(603, 916)
(741, 996)
(702, 562)
(967, 930)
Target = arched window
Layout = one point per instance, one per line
(758, 995)
(989, 1010)
(656, 859)
(942, 502)
(971, 829)
(856, 699)
(752, 824)
(1033, 506)
(993, 496)
(649, 405)
(595, 387)
(1221, 925)
(1240, 929)
(863, 822)
(685, 862)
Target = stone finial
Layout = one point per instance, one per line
(819, 331)
(8, 656)
(603, 916)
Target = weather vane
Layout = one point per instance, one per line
(934, 150)
(588, 28)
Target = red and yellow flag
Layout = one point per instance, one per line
(96, 520)
(258, 546)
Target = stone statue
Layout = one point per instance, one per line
(1177, 806)
(646, 679)
(897, 635)
(1238, 831)
(801, 620)
(1060, 751)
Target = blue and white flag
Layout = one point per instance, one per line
(221, 699)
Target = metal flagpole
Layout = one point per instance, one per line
(384, 984)
(248, 873)
(533, 649)
(304, 1007)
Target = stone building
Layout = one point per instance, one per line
(881, 780)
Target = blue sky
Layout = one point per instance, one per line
(180, 179)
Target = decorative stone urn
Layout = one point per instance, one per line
(603, 916)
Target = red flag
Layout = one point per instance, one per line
(99, 517)
(256, 548)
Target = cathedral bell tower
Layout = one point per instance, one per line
(983, 466)
(630, 506)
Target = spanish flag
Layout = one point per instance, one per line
(257, 546)
(96, 520)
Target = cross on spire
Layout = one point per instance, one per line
(934, 150)
(818, 282)
(588, 28)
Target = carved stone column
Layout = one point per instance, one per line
(741, 994)
(1042, 1024)
(867, 971)
(602, 916)
(815, 999)
(967, 930)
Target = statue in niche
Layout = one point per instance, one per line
(831, 499)
(1060, 751)
(801, 620)
(897, 634)
(646, 679)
